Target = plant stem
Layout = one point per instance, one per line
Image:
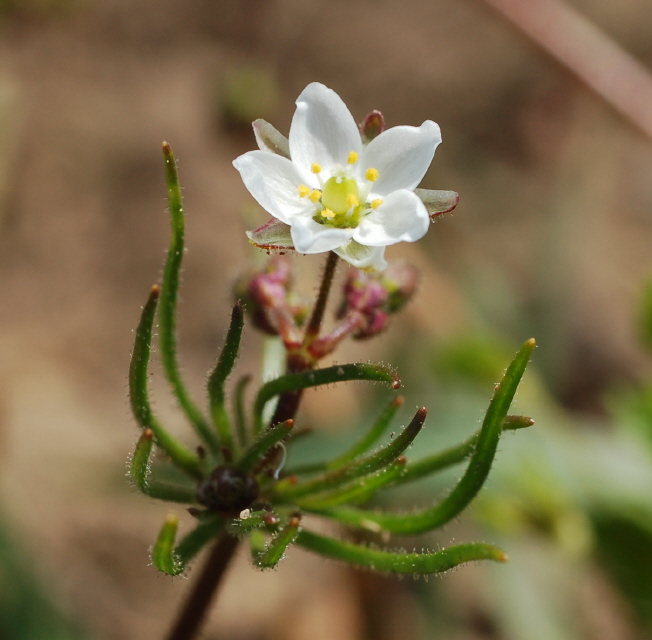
(314, 324)
(193, 613)
(288, 403)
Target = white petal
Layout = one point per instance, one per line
(311, 237)
(402, 156)
(323, 130)
(402, 217)
(273, 181)
(363, 257)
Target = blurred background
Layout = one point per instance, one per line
(551, 239)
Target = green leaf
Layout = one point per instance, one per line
(219, 375)
(163, 556)
(274, 550)
(319, 377)
(472, 480)
(169, 296)
(288, 490)
(396, 562)
(139, 398)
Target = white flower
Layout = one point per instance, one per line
(337, 194)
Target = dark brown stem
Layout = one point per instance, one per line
(193, 613)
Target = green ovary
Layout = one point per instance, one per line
(339, 193)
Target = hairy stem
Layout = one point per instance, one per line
(194, 611)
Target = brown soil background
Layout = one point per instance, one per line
(551, 238)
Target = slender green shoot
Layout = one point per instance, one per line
(472, 480)
(219, 375)
(169, 297)
(139, 467)
(267, 441)
(163, 556)
(398, 562)
(357, 492)
(275, 549)
(289, 490)
(319, 377)
(372, 436)
(139, 397)
(457, 454)
(239, 410)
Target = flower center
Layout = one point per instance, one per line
(341, 202)
(340, 194)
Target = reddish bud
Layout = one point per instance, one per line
(372, 126)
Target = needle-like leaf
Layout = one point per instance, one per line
(139, 396)
(169, 296)
(398, 562)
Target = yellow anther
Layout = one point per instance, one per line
(371, 174)
(352, 200)
(376, 203)
(315, 168)
(303, 191)
(315, 196)
(353, 157)
(327, 213)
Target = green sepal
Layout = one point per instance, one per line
(163, 556)
(289, 490)
(370, 438)
(209, 527)
(356, 492)
(397, 562)
(472, 480)
(139, 397)
(437, 202)
(269, 439)
(274, 550)
(219, 375)
(169, 297)
(318, 377)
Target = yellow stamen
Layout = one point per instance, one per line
(315, 168)
(315, 196)
(303, 190)
(352, 200)
(327, 213)
(376, 203)
(353, 157)
(371, 174)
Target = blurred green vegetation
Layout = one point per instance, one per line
(27, 608)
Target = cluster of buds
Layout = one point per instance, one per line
(373, 297)
(273, 306)
(368, 301)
